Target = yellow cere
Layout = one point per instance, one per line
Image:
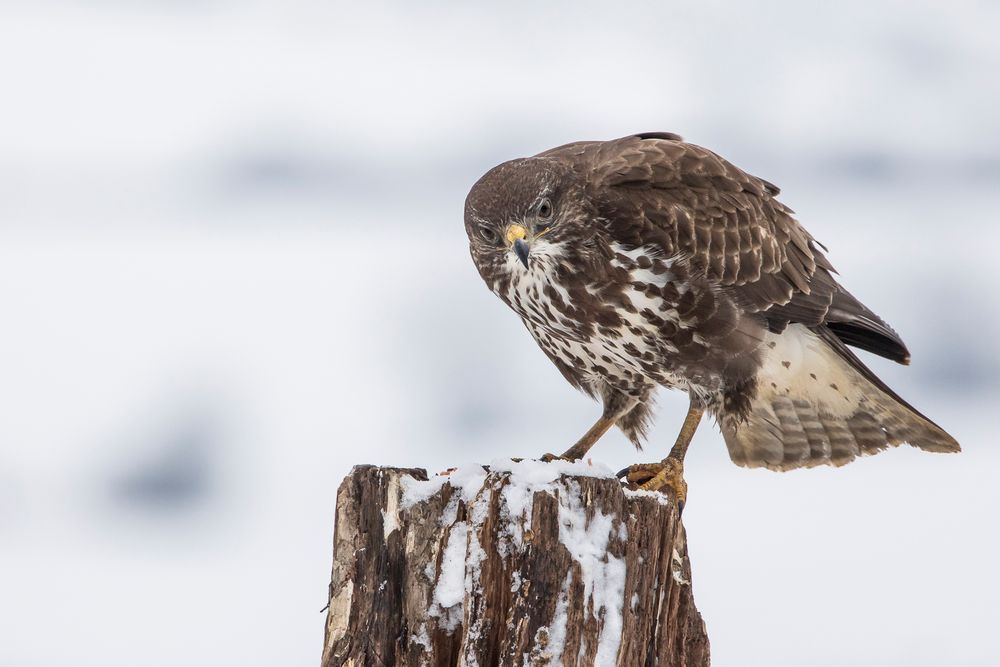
(515, 232)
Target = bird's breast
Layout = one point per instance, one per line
(623, 325)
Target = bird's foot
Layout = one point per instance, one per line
(667, 474)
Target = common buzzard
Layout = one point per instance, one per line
(647, 261)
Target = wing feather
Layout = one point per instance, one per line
(731, 228)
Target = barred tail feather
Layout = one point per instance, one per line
(817, 404)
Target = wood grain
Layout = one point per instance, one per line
(583, 573)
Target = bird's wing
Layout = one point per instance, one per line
(730, 227)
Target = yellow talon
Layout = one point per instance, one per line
(667, 474)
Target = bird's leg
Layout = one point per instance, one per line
(616, 404)
(670, 471)
(583, 445)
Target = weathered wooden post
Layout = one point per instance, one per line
(524, 563)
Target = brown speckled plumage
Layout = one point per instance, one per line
(648, 262)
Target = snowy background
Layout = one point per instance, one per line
(232, 264)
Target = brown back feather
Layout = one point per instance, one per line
(729, 226)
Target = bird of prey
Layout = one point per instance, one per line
(647, 261)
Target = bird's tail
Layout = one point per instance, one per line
(818, 404)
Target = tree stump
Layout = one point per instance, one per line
(520, 563)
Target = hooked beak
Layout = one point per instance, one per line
(521, 249)
(515, 236)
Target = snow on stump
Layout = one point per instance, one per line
(516, 563)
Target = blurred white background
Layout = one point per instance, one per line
(232, 265)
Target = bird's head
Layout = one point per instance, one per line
(524, 216)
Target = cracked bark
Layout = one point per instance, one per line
(523, 596)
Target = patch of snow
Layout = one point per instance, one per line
(586, 540)
(515, 581)
(558, 626)
(603, 574)
(449, 591)
(421, 638)
(528, 477)
(417, 491)
(661, 498)
(390, 515)
(467, 480)
(476, 554)
(450, 513)
(538, 471)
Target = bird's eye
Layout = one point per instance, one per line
(488, 234)
(544, 209)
